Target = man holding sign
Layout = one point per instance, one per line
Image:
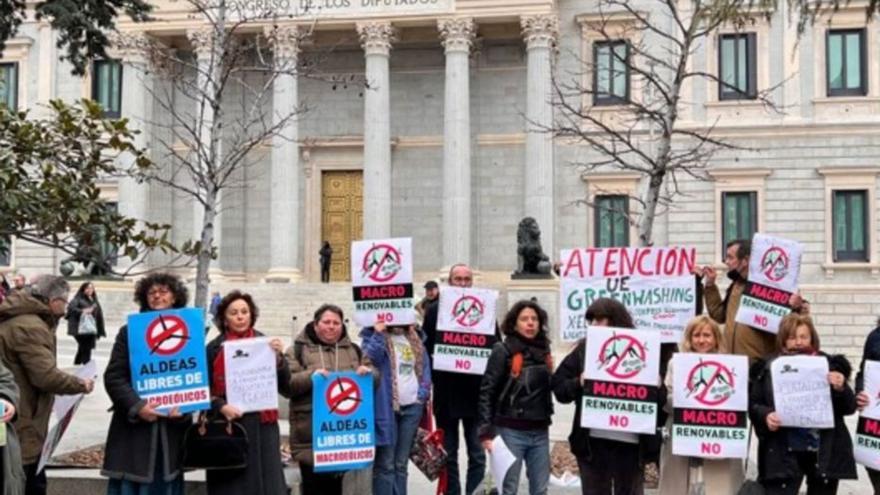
(797, 403)
(740, 338)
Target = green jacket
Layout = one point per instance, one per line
(27, 348)
(13, 473)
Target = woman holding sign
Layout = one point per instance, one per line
(722, 476)
(323, 346)
(788, 454)
(515, 396)
(399, 355)
(871, 352)
(610, 462)
(143, 445)
(264, 475)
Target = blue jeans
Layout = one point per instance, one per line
(533, 447)
(390, 466)
(476, 468)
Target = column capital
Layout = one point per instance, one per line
(457, 33)
(285, 40)
(540, 30)
(202, 41)
(131, 47)
(376, 37)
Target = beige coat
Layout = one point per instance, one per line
(720, 477)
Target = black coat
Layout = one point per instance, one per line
(835, 456)
(132, 444)
(567, 388)
(456, 395)
(505, 398)
(870, 353)
(74, 313)
(264, 474)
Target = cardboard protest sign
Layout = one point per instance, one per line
(621, 380)
(63, 409)
(774, 266)
(343, 436)
(867, 447)
(710, 405)
(381, 278)
(167, 358)
(251, 374)
(465, 329)
(655, 284)
(801, 392)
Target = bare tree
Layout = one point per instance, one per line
(650, 45)
(216, 111)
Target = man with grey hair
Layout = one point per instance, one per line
(28, 319)
(18, 281)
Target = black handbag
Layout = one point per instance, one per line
(215, 444)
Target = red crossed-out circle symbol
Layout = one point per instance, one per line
(622, 356)
(711, 383)
(774, 264)
(166, 335)
(343, 396)
(381, 263)
(468, 311)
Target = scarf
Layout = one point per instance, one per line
(416, 343)
(538, 348)
(218, 383)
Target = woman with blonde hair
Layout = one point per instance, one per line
(720, 476)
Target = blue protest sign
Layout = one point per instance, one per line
(167, 357)
(343, 427)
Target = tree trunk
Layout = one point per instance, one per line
(203, 266)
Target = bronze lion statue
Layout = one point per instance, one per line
(531, 259)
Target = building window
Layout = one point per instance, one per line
(107, 86)
(612, 222)
(5, 251)
(9, 85)
(610, 72)
(845, 60)
(737, 68)
(850, 225)
(739, 211)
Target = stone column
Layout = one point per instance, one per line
(133, 198)
(202, 41)
(457, 35)
(284, 214)
(540, 32)
(376, 39)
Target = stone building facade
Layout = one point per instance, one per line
(441, 146)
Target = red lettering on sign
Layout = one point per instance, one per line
(462, 364)
(710, 448)
(769, 294)
(460, 338)
(622, 390)
(708, 417)
(383, 292)
(621, 421)
(872, 427)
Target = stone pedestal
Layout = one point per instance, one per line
(546, 293)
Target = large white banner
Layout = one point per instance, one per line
(774, 266)
(251, 374)
(465, 329)
(801, 392)
(710, 405)
(656, 285)
(867, 445)
(621, 372)
(381, 278)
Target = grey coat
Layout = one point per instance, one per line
(264, 474)
(132, 444)
(13, 474)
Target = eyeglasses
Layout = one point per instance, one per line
(158, 291)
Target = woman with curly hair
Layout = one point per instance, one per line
(264, 475)
(516, 400)
(143, 445)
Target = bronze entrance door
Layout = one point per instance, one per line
(342, 217)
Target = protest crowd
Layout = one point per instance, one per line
(681, 389)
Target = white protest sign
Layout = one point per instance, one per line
(801, 393)
(467, 310)
(53, 437)
(251, 374)
(64, 403)
(381, 276)
(775, 262)
(710, 405)
(656, 284)
(867, 445)
(621, 385)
